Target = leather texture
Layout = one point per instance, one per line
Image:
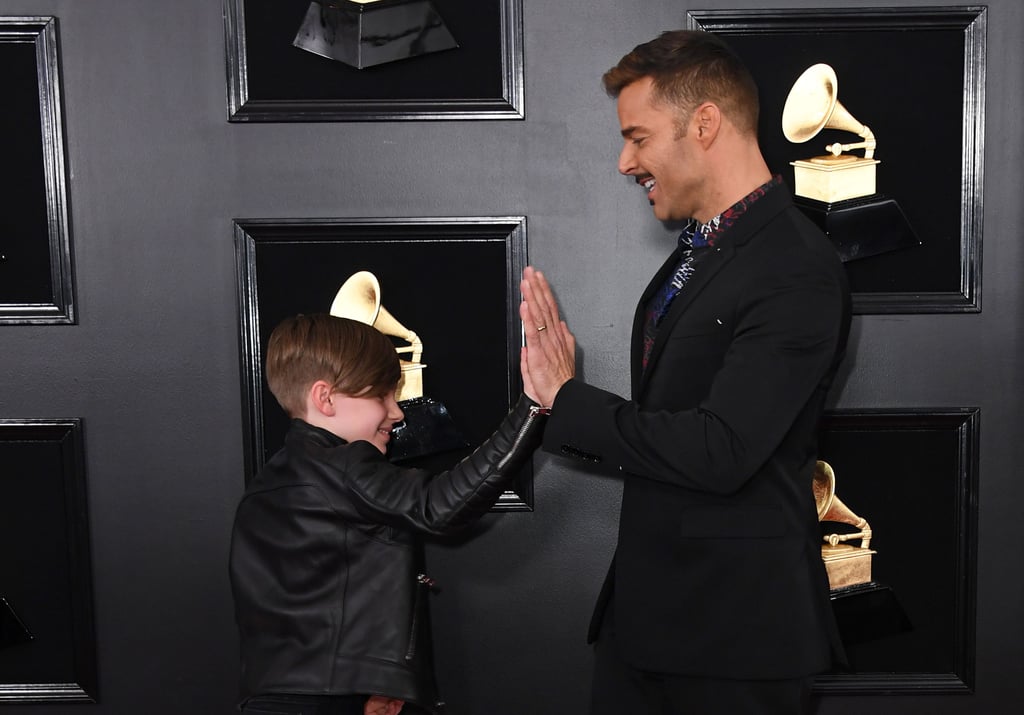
(326, 563)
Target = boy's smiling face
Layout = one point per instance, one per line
(368, 418)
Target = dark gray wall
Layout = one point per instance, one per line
(157, 174)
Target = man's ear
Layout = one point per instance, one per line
(319, 398)
(707, 121)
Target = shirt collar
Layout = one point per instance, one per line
(698, 235)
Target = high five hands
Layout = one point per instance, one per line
(548, 360)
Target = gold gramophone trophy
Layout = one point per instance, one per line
(359, 299)
(864, 609)
(847, 565)
(428, 428)
(813, 105)
(838, 189)
(364, 33)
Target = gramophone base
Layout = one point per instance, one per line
(831, 179)
(427, 429)
(861, 227)
(363, 34)
(868, 612)
(846, 565)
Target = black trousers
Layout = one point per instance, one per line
(620, 689)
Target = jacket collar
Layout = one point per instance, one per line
(301, 430)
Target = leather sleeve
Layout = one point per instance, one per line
(414, 499)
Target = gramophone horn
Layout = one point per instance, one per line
(831, 507)
(824, 486)
(359, 299)
(813, 104)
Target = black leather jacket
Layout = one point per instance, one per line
(325, 560)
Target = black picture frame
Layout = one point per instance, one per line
(917, 77)
(913, 475)
(452, 280)
(49, 654)
(36, 284)
(269, 80)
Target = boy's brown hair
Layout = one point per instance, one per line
(355, 358)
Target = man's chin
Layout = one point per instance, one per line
(661, 213)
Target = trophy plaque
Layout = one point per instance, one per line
(837, 190)
(364, 33)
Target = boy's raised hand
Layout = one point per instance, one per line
(549, 359)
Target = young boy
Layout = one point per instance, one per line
(326, 561)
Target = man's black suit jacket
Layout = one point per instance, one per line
(718, 571)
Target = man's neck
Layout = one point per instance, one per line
(740, 168)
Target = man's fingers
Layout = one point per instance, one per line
(550, 347)
(542, 306)
(542, 297)
(544, 289)
(538, 309)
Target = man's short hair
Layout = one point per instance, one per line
(355, 358)
(689, 67)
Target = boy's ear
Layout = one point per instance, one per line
(319, 398)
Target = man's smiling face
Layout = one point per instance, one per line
(663, 158)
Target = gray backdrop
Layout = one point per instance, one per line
(156, 175)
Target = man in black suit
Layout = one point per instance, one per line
(717, 598)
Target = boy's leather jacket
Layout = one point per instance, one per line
(326, 561)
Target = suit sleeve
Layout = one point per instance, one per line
(783, 347)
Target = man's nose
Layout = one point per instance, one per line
(627, 159)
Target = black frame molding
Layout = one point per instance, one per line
(449, 96)
(44, 229)
(53, 597)
(453, 280)
(887, 283)
(913, 474)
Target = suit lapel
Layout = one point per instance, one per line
(711, 265)
(637, 342)
(757, 216)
